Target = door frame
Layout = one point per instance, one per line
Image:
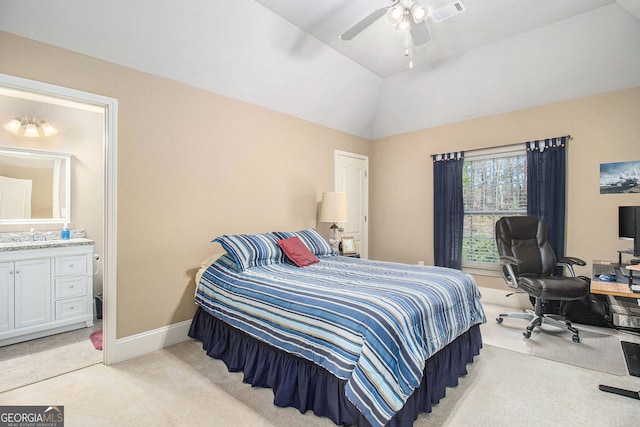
(365, 223)
(110, 144)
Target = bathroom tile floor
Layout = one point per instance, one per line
(32, 361)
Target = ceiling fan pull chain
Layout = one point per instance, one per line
(409, 48)
(411, 57)
(407, 43)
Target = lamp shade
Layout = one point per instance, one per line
(13, 126)
(48, 129)
(418, 12)
(31, 131)
(396, 13)
(333, 207)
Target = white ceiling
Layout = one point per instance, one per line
(380, 48)
(498, 56)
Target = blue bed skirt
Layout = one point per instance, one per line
(301, 384)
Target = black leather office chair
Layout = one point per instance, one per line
(528, 262)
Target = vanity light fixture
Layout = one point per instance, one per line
(30, 126)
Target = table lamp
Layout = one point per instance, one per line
(334, 209)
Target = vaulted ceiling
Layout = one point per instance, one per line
(381, 47)
(497, 56)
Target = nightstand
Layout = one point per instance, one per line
(352, 255)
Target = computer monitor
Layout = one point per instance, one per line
(629, 226)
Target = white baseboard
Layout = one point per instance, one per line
(499, 297)
(146, 342)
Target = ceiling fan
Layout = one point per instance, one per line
(409, 16)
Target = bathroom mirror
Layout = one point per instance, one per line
(35, 187)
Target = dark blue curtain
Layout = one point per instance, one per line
(448, 209)
(546, 187)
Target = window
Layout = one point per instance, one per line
(494, 184)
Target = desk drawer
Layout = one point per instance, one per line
(74, 286)
(71, 265)
(70, 308)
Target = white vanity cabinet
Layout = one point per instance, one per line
(28, 293)
(45, 289)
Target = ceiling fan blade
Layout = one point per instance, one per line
(360, 26)
(420, 33)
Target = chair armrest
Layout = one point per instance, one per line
(569, 262)
(509, 260)
(506, 269)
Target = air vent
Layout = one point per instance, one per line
(447, 11)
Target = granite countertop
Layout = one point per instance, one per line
(14, 246)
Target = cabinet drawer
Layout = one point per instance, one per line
(71, 265)
(73, 286)
(72, 307)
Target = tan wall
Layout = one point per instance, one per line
(191, 165)
(605, 128)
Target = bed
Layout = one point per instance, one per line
(365, 343)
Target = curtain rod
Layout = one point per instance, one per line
(569, 138)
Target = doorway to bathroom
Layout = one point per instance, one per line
(86, 126)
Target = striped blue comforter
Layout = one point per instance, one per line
(370, 323)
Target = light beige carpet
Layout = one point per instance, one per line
(181, 386)
(599, 348)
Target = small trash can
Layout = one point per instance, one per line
(99, 306)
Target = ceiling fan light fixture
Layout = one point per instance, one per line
(396, 13)
(418, 12)
(405, 23)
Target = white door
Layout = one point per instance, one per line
(352, 177)
(15, 198)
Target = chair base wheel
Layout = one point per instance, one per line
(536, 320)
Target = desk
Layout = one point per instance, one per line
(617, 289)
(624, 305)
(612, 288)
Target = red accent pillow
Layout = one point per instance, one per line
(297, 252)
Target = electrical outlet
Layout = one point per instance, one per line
(420, 262)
